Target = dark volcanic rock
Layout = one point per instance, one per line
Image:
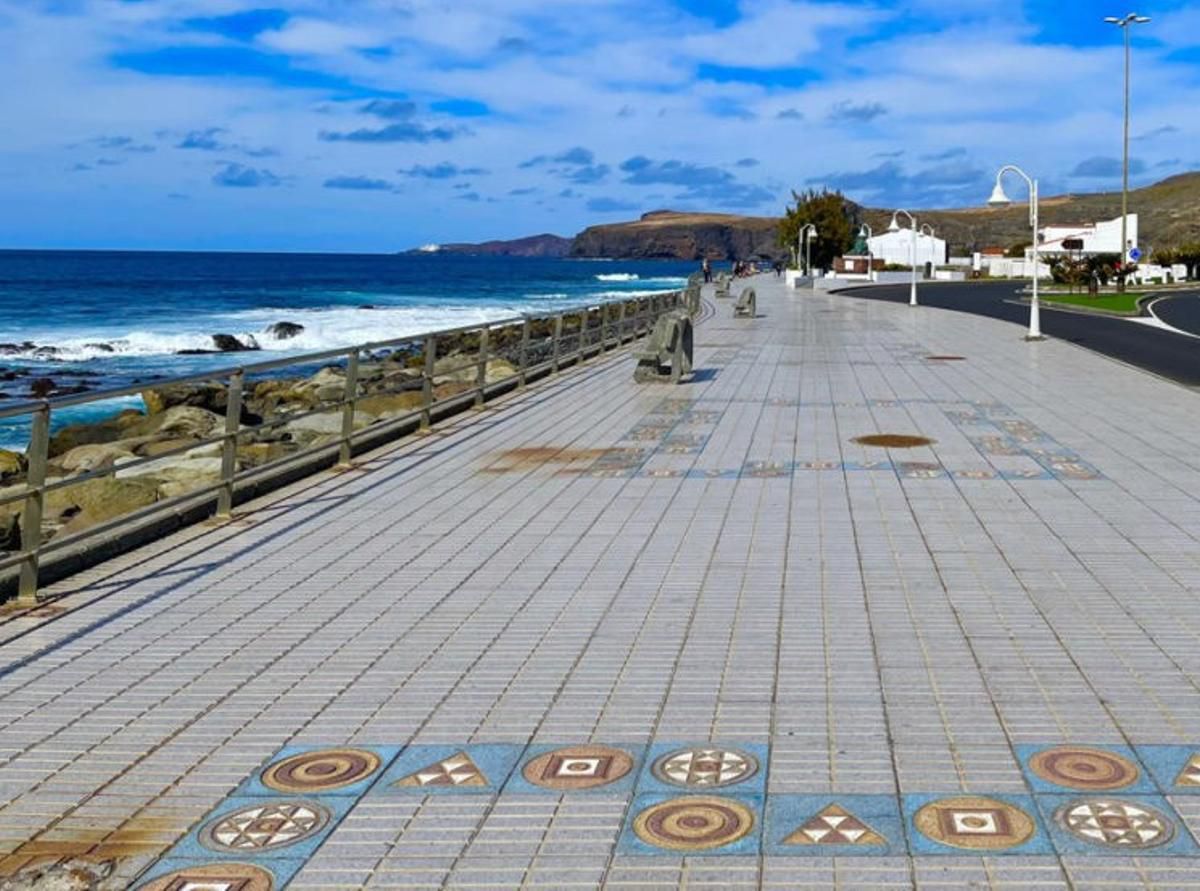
(227, 343)
(42, 387)
(285, 330)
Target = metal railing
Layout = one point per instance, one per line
(533, 346)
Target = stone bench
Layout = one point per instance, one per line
(691, 299)
(667, 353)
(747, 304)
(724, 283)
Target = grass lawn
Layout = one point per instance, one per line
(1126, 303)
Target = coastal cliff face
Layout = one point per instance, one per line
(533, 246)
(682, 236)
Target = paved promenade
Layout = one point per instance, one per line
(610, 635)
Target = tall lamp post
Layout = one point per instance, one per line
(807, 234)
(1125, 24)
(912, 252)
(864, 231)
(1000, 199)
(926, 229)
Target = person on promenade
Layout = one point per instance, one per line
(707, 267)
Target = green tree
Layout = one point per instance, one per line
(834, 218)
(1017, 251)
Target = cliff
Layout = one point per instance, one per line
(682, 236)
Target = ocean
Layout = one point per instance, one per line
(108, 319)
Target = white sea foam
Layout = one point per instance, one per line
(618, 277)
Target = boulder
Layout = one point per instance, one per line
(211, 397)
(389, 404)
(451, 368)
(256, 454)
(96, 501)
(323, 427)
(161, 446)
(42, 387)
(90, 457)
(111, 429)
(285, 330)
(227, 343)
(184, 422)
(12, 464)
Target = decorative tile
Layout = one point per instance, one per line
(766, 469)
(710, 474)
(439, 770)
(1069, 768)
(320, 770)
(1176, 769)
(951, 824)
(974, 474)
(1141, 825)
(204, 875)
(820, 465)
(254, 829)
(920, 470)
(664, 473)
(833, 825)
(692, 824)
(738, 770)
(592, 768)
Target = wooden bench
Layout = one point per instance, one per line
(747, 304)
(667, 353)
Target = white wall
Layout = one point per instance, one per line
(896, 247)
(1098, 238)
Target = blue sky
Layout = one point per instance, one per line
(376, 125)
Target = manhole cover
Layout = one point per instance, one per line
(945, 358)
(893, 441)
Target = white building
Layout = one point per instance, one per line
(895, 248)
(1097, 238)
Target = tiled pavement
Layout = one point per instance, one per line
(799, 662)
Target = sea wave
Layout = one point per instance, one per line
(618, 277)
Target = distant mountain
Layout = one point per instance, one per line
(1168, 214)
(667, 234)
(1168, 211)
(532, 246)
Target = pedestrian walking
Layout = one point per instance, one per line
(707, 267)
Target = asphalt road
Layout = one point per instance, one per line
(1174, 356)
(1182, 312)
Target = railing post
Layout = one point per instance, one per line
(621, 324)
(427, 381)
(31, 515)
(524, 356)
(481, 371)
(349, 401)
(585, 316)
(233, 417)
(558, 326)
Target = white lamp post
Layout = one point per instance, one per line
(912, 254)
(1000, 199)
(808, 233)
(864, 231)
(1125, 25)
(926, 229)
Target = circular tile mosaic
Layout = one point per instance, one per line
(705, 767)
(974, 823)
(1078, 767)
(694, 824)
(265, 827)
(320, 771)
(578, 767)
(1116, 824)
(232, 876)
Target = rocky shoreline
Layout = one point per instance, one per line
(281, 415)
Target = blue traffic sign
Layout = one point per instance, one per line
(1134, 255)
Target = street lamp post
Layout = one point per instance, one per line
(807, 234)
(912, 253)
(1125, 25)
(864, 231)
(1000, 199)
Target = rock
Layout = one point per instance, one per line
(96, 501)
(387, 405)
(285, 330)
(161, 446)
(42, 387)
(327, 425)
(46, 351)
(255, 454)
(497, 369)
(212, 397)
(227, 343)
(10, 528)
(90, 457)
(183, 422)
(109, 430)
(12, 464)
(102, 347)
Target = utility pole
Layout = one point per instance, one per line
(1124, 24)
